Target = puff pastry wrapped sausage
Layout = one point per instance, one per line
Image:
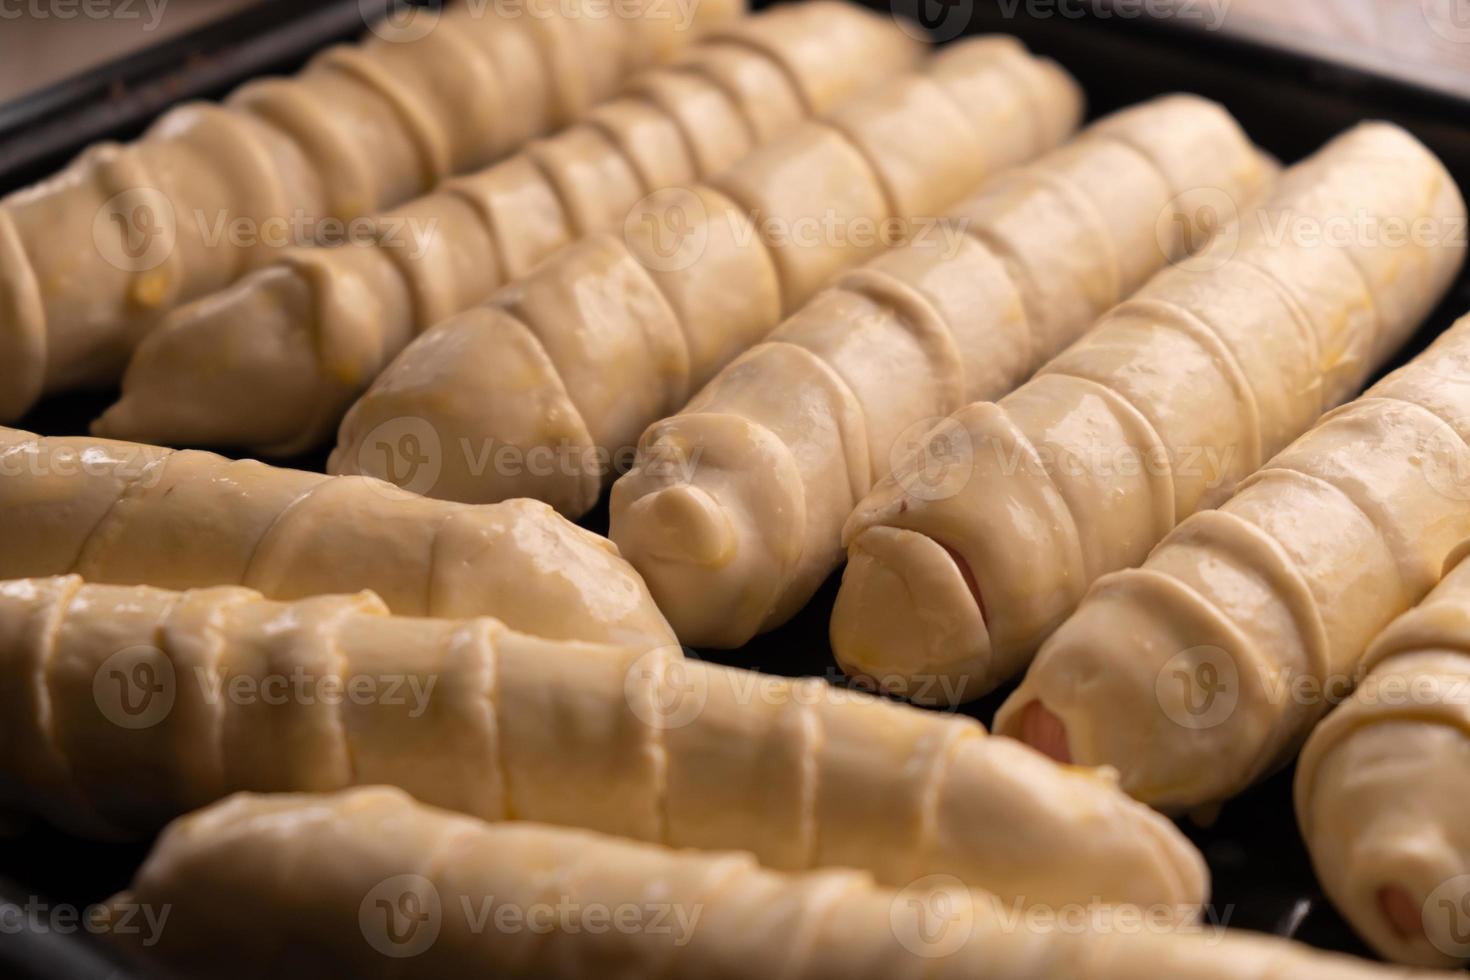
(1382, 783)
(274, 362)
(733, 509)
(472, 716)
(126, 513)
(1157, 412)
(1204, 669)
(90, 259)
(369, 884)
(557, 374)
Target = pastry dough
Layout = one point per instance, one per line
(303, 886)
(274, 362)
(90, 259)
(1203, 670)
(790, 436)
(127, 514)
(558, 373)
(1171, 399)
(476, 718)
(1382, 783)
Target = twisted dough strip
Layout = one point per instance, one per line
(274, 362)
(742, 543)
(298, 886)
(616, 331)
(87, 259)
(1382, 783)
(474, 717)
(1201, 672)
(126, 513)
(1157, 412)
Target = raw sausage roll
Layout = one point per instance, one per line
(558, 373)
(275, 362)
(1382, 783)
(144, 719)
(1203, 670)
(790, 436)
(127, 514)
(92, 258)
(369, 883)
(1157, 412)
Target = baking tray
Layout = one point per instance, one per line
(1289, 103)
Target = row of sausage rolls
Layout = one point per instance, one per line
(124, 707)
(1204, 670)
(733, 508)
(988, 535)
(1383, 780)
(275, 361)
(371, 884)
(90, 259)
(126, 514)
(618, 330)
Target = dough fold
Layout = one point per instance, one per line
(617, 330)
(733, 508)
(126, 706)
(128, 514)
(1203, 670)
(1159, 411)
(273, 362)
(93, 258)
(369, 883)
(1381, 784)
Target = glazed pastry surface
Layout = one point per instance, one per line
(556, 375)
(403, 890)
(475, 717)
(1203, 670)
(1159, 411)
(128, 514)
(734, 507)
(275, 361)
(1382, 782)
(92, 258)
